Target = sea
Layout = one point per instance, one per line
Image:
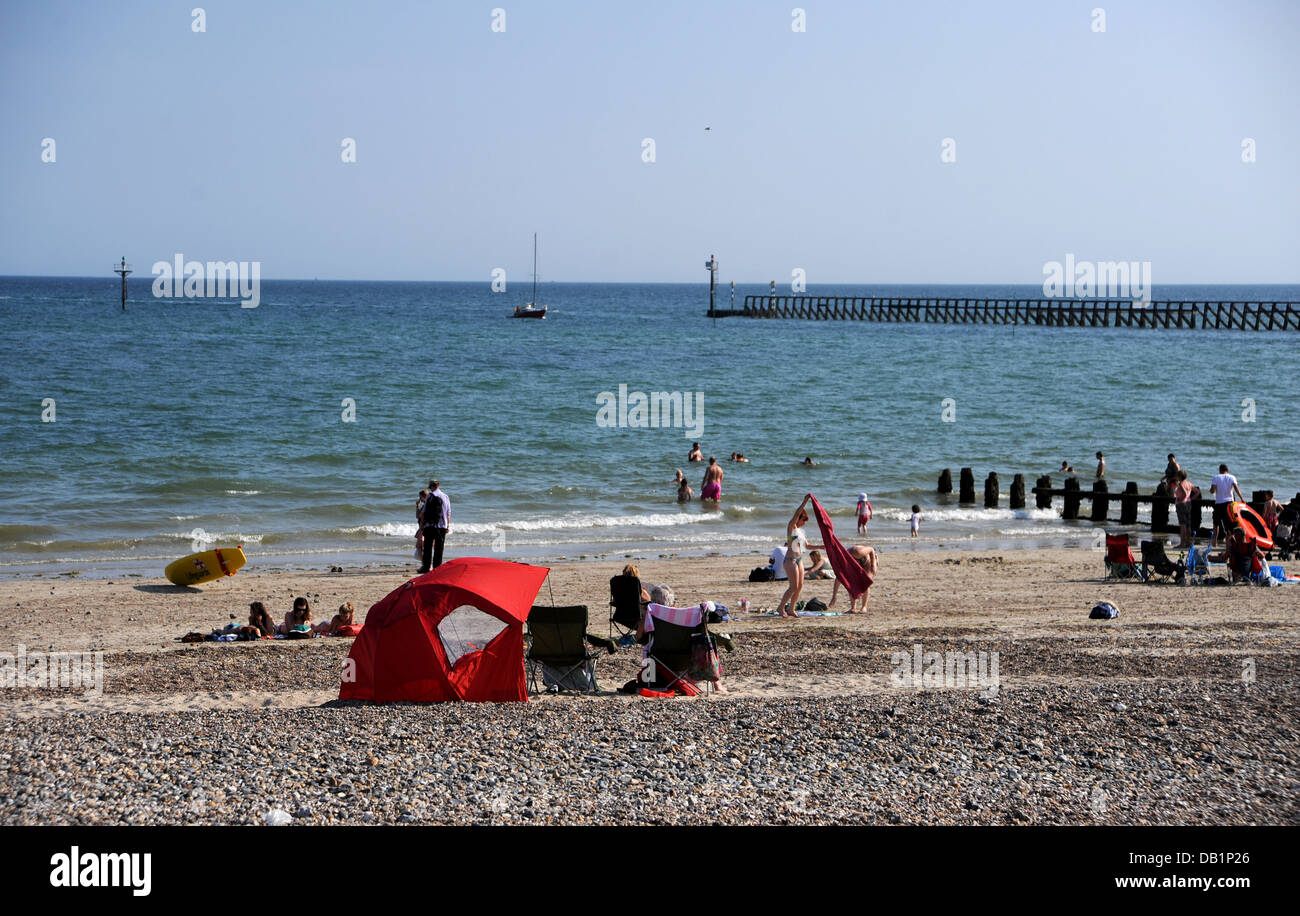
(304, 428)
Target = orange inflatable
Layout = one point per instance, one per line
(1242, 514)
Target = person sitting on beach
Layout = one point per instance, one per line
(684, 491)
(299, 615)
(796, 543)
(631, 570)
(776, 562)
(657, 594)
(1241, 553)
(869, 560)
(342, 619)
(696, 454)
(260, 617)
(820, 569)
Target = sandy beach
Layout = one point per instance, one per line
(1179, 712)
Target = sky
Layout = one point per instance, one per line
(823, 148)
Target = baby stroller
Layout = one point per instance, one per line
(1286, 540)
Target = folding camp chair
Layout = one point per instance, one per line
(1198, 564)
(558, 649)
(1120, 562)
(625, 601)
(668, 657)
(1155, 558)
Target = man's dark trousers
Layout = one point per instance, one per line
(433, 538)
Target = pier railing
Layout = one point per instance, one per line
(1073, 313)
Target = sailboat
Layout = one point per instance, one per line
(530, 309)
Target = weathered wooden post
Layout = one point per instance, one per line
(1257, 500)
(1018, 491)
(1100, 500)
(991, 490)
(1160, 509)
(1043, 498)
(1128, 504)
(945, 481)
(1073, 496)
(967, 494)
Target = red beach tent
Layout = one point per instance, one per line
(455, 633)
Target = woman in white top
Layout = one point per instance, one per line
(796, 545)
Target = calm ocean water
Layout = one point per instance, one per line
(183, 419)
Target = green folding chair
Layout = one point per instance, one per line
(560, 655)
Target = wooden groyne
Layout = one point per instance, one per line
(1098, 494)
(1056, 313)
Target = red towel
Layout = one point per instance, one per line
(851, 575)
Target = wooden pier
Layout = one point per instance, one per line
(1056, 313)
(1099, 495)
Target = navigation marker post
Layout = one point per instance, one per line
(123, 269)
(711, 265)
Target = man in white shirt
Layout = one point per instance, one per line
(436, 521)
(778, 563)
(1225, 490)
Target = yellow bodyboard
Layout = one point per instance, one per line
(198, 568)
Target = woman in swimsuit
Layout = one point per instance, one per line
(796, 544)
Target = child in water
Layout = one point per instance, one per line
(684, 492)
(864, 512)
(916, 520)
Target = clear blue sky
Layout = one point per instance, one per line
(823, 153)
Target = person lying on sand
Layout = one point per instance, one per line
(869, 560)
(342, 619)
(260, 617)
(300, 614)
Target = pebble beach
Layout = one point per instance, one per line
(1181, 711)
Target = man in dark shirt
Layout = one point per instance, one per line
(435, 522)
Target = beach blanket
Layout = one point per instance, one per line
(852, 576)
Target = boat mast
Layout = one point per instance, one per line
(534, 270)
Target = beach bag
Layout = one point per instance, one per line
(1104, 611)
(761, 574)
(816, 606)
(704, 658)
(348, 629)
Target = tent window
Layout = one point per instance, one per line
(466, 630)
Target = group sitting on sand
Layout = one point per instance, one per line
(297, 625)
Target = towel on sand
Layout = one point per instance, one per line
(851, 575)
